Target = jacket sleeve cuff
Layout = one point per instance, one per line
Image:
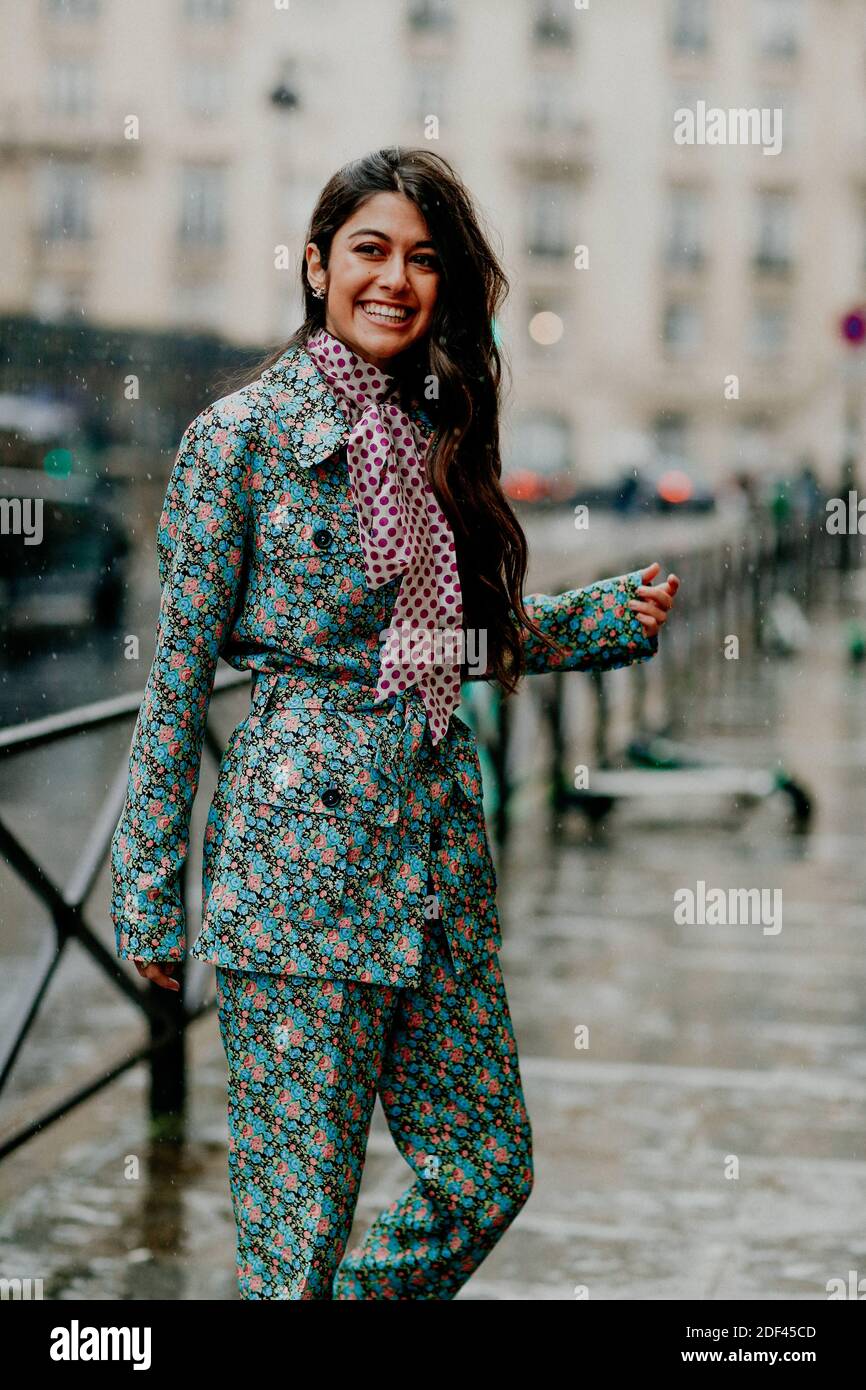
(145, 932)
(595, 625)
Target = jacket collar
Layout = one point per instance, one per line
(308, 412)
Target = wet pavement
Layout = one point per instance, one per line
(710, 1142)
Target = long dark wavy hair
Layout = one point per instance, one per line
(459, 351)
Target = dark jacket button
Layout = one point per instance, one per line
(331, 795)
(323, 537)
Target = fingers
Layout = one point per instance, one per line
(159, 977)
(659, 594)
(159, 973)
(671, 584)
(655, 601)
(649, 613)
(650, 622)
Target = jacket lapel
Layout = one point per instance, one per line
(312, 423)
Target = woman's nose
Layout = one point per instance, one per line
(393, 274)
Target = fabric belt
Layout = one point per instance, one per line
(404, 721)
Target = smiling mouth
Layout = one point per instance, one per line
(390, 314)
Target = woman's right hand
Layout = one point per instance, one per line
(159, 971)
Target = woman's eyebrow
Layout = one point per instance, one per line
(371, 231)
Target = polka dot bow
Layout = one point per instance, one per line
(403, 530)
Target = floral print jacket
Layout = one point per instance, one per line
(331, 815)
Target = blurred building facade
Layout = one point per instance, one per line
(153, 158)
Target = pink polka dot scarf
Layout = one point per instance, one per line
(403, 531)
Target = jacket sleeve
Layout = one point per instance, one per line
(200, 548)
(595, 624)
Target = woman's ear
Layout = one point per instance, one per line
(315, 269)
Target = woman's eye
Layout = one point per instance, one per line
(430, 262)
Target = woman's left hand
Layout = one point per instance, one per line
(655, 600)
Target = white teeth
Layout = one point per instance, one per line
(383, 311)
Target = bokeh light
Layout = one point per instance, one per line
(546, 328)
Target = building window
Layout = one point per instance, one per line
(686, 207)
(199, 305)
(686, 97)
(203, 206)
(208, 11)
(551, 102)
(690, 26)
(542, 444)
(783, 126)
(778, 25)
(297, 198)
(549, 225)
(70, 90)
(65, 194)
(773, 231)
(426, 15)
(670, 435)
(552, 24)
(57, 299)
(427, 91)
(682, 327)
(768, 330)
(753, 441)
(72, 9)
(204, 88)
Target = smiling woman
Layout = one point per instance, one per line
(382, 280)
(334, 501)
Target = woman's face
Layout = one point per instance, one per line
(382, 279)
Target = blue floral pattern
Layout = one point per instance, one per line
(306, 1060)
(329, 813)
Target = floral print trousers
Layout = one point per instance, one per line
(306, 1059)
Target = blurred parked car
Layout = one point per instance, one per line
(677, 487)
(531, 485)
(75, 576)
(653, 487)
(658, 485)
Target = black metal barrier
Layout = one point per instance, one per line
(168, 1015)
(733, 582)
